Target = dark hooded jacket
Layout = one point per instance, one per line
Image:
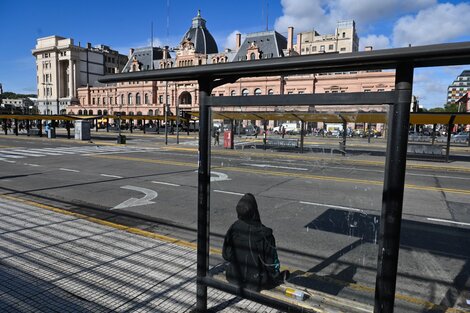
(250, 248)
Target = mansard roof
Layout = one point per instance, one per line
(144, 58)
(269, 43)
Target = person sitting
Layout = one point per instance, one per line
(250, 249)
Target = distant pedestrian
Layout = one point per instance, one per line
(216, 136)
(283, 131)
(250, 248)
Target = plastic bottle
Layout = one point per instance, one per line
(294, 293)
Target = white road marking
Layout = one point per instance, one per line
(69, 170)
(219, 176)
(23, 152)
(332, 206)
(164, 183)
(30, 164)
(41, 151)
(8, 161)
(149, 195)
(3, 155)
(447, 221)
(112, 176)
(276, 166)
(229, 192)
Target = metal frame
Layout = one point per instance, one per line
(403, 60)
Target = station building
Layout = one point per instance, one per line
(198, 47)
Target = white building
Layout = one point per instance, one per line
(62, 67)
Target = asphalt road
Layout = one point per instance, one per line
(324, 209)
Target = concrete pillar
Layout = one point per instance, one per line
(70, 78)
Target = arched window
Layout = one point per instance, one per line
(245, 92)
(270, 92)
(137, 98)
(146, 98)
(122, 99)
(80, 112)
(185, 98)
(150, 112)
(104, 100)
(131, 113)
(98, 100)
(257, 92)
(100, 112)
(252, 56)
(233, 93)
(90, 112)
(139, 113)
(129, 98)
(93, 101)
(85, 112)
(105, 112)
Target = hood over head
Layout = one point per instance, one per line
(247, 209)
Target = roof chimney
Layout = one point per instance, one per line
(238, 40)
(299, 43)
(368, 48)
(131, 51)
(290, 38)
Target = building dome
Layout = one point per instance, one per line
(200, 36)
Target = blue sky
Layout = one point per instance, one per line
(122, 25)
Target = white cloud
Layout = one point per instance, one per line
(441, 23)
(230, 41)
(322, 15)
(376, 41)
(430, 84)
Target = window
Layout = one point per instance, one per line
(129, 98)
(270, 92)
(90, 112)
(290, 92)
(322, 48)
(160, 99)
(80, 112)
(146, 98)
(380, 89)
(252, 56)
(137, 98)
(104, 100)
(98, 101)
(257, 92)
(366, 90)
(110, 100)
(307, 50)
(314, 48)
(100, 112)
(221, 94)
(330, 47)
(233, 93)
(343, 49)
(301, 92)
(122, 99)
(93, 101)
(344, 35)
(245, 92)
(150, 112)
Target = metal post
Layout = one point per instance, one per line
(131, 123)
(393, 189)
(96, 125)
(449, 134)
(433, 134)
(107, 125)
(177, 123)
(144, 125)
(345, 133)
(28, 127)
(368, 133)
(166, 112)
(203, 209)
(302, 126)
(265, 135)
(67, 126)
(40, 128)
(16, 127)
(158, 127)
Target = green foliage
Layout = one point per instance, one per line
(12, 95)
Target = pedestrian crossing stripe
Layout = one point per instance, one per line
(21, 153)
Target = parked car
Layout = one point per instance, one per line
(291, 128)
(461, 137)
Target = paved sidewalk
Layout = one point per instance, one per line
(54, 262)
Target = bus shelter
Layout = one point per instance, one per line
(402, 60)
